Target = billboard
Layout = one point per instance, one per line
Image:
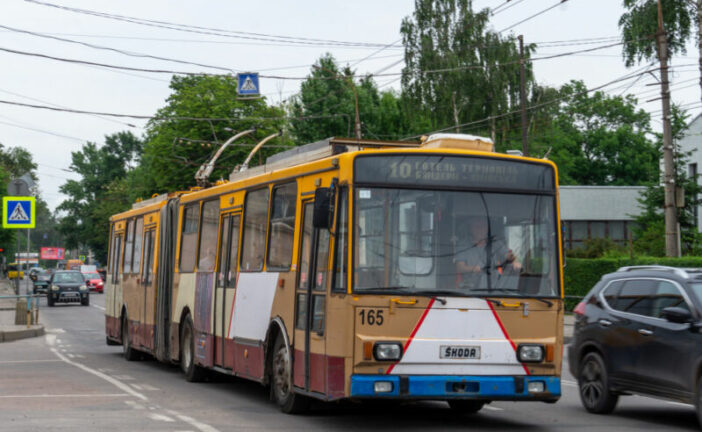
(53, 253)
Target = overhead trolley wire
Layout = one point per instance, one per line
(210, 30)
(532, 16)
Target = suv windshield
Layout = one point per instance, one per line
(72, 277)
(455, 243)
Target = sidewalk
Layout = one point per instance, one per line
(8, 330)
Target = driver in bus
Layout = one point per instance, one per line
(472, 260)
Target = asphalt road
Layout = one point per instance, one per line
(70, 380)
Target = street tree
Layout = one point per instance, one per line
(178, 141)
(458, 71)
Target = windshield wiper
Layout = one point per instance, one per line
(508, 291)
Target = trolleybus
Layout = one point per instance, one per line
(353, 269)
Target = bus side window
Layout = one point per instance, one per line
(116, 253)
(128, 244)
(282, 227)
(138, 232)
(255, 224)
(341, 250)
(147, 270)
(222, 278)
(208, 236)
(188, 241)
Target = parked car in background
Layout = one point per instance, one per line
(68, 286)
(638, 331)
(34, 271)
(41, 282)
(94, 281)
(14, 271)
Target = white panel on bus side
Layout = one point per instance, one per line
(253, 303)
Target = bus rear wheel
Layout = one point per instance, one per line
(193, 372)
(282, 380)
(466, 406)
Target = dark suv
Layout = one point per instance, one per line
(638, 331)
(68, 286)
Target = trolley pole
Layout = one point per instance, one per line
(522, 96)
(672, 235)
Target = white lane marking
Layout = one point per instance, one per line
(135, 405)
(64, 395)
(69, 355)
(99, 307)
(569, 383)
(120, 385)
(149, 387)
(202, 427)
(493, 408)
(160, 417)
(137, 386)
(55, 330)
(124, 377)
(29, 361)
(50, 339)
(80, 356)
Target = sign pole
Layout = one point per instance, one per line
(17, 284)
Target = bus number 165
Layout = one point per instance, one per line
(371, 317)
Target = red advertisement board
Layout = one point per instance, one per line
(52, 253)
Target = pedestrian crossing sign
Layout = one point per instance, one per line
(18, 212)
(247, 84)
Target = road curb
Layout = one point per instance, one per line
(21, 332)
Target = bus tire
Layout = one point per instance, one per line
(130, 354)
(466, 406)
(593, 383)
(193, 372)
(282, 380)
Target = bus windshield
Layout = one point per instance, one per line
(447, 242)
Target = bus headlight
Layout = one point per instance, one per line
(531, 353)
(387, 351)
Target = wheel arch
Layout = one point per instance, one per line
(122, 316)
(275, 328)
(184, 313)
(587, 348)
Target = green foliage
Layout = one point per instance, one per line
(478, 71)
(650, 229)
(598, 139)
(325, 106)
(639, 25)
(597, 248)
(92, 199)
(175, 148)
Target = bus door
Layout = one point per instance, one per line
(310, 364)
(225, 288)
(146, 279)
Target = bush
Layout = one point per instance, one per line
(580, 275)
(597, 248)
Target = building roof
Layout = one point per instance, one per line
(600, 202)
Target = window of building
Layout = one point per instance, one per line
(280, 246)
(138, 231)
(188, 241)
(255, 224)
(208, 236)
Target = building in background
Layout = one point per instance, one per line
(690, 142)
(589, 212)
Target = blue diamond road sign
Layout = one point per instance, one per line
(18, 212)
(247, 84)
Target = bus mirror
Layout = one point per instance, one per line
(323, 208)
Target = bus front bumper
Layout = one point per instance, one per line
(533, 388)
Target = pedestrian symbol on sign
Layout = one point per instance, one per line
(247, 84)
(18, 214)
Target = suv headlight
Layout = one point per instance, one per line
(387, 351)
(54, 288)
(83, 288)
(530, 353)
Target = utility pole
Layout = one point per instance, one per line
(522, 96)
(357, 126)
(455, 111)
(672, 236)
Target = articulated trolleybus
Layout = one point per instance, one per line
(353, 269)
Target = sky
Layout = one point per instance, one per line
(52, 136)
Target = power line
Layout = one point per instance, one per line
(123, 52)
(505, 6)
(210, 30)
(530, 17)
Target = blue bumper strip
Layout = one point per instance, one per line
(456, 386)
